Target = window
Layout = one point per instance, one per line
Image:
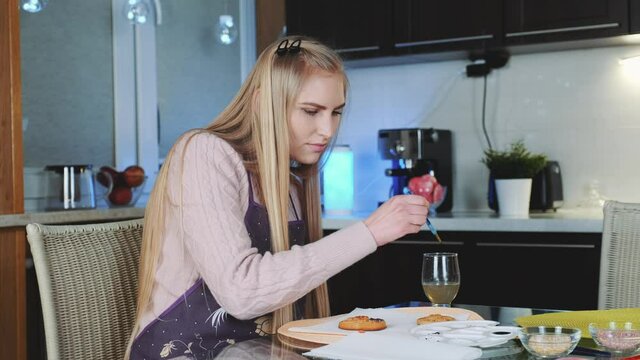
(98, 90)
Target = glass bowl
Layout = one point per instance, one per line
(549, 342)
(617, 337)
(117, 193)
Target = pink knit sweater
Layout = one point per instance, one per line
(206, 238)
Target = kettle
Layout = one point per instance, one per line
(70, 187)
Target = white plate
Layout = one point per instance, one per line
(480, 333)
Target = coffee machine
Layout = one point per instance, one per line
(415, 152)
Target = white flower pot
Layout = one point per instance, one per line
(513, 197)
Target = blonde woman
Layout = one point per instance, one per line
(232, 244)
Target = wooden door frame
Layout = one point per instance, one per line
(12, 240)
(270, 21)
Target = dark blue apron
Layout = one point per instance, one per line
(195, 326)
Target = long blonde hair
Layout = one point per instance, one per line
(255, 124)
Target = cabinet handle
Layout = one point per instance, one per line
(364, 48)
(422, 242)
(567, 246)
(559, 30)
(443, 41)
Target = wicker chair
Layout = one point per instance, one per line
(620, 257)
(88, 278)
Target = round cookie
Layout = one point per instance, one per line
(363, 323)
(433, 318)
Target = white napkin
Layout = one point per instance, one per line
(397, 321)
(397, 346)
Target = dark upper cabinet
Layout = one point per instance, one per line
(367, 29)
(436, 25)
(355, 28)
(634, 16)
(537, 21)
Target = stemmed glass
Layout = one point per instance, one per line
(440, 277)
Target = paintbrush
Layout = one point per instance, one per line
(433, 230)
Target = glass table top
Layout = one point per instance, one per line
(265, 348)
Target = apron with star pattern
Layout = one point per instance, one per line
(195, 326)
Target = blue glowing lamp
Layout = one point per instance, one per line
(337, 177)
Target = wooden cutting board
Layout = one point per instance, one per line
(308, 341)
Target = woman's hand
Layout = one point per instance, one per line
(398, 216)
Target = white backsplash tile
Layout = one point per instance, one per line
(580, 107)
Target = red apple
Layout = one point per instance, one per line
(102, 178)
(116, 177)
(120, 195)
(133, 176)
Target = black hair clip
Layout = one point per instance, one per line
(285, 48)
(294, 48)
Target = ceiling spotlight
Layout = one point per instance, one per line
(33, 6)
(137, 11)
(226, 32)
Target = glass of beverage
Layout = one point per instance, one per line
(440, 277)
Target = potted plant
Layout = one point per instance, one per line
(513, 171)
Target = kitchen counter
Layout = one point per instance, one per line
(564, 220)
(72, 216)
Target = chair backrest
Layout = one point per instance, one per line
(620, 257)
(88, 281)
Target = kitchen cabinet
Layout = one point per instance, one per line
(401, 266)
(391, 275)
(557, 271)
(538, 21)
(433, 25)
(520, 269)
(634, 16)
(355, 28)
(364, 29)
